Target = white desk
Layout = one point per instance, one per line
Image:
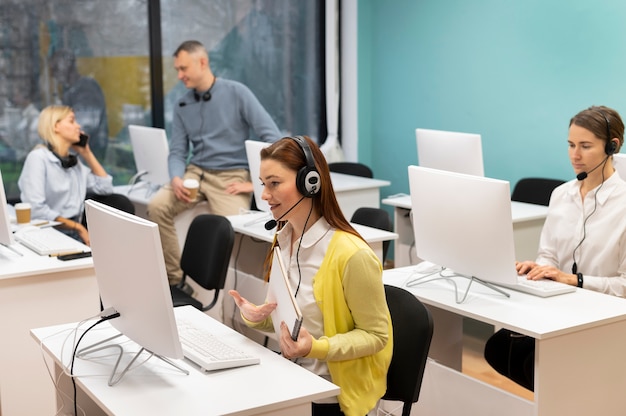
(528, 221)
(352, 192)
(253, 225)
(274, 387)
(355, 191)
(579, 365)
(34, 291)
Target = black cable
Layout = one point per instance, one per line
(298, 250)
(595, 206)
(105, 318)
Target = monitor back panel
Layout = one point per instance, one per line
(253, 151)
(150, 150)
(463, 222)
(451, 151)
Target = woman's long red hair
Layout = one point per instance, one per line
(288, 152)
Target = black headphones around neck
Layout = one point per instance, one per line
(66, 162)
(308, 178)
(205, 97)
(207, 94)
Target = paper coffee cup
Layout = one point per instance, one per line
(22, 212)
(192, 185)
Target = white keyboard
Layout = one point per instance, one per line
(543, 288)
(48, 240)
(207, 351)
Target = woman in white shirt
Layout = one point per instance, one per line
(583, 241)
(54, 180)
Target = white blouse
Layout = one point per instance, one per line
(591, 233)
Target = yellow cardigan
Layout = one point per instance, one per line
(357, 343)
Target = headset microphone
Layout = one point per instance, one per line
(583, 175)
(273, 223)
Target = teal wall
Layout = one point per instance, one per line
(514, 71)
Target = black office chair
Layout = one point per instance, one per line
(376, 218)
(119, 201)
(535, 190)
(351, 168)
(412, 333)
(205, 258)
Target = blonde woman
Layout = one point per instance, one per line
(55, 181)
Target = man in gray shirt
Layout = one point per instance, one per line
(211, 123)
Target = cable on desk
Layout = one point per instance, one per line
(98, 322)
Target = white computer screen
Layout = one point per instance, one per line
(130, 271)
(253, 151)
(6, 235)
(451, 151)
(150, 150)
(463, 222)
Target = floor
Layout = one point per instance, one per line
(475, 335)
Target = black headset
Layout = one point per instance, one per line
(66, 162)
(610, 147)
(205, 97)
(308, 178)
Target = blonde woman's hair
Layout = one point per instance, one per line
(48, 119)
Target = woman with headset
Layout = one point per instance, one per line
(583, 240)
(54, 180)
(346, 335)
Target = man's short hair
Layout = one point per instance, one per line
(190, 46)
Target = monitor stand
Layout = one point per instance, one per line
(428, 278)
(13, 249)
(115, 376)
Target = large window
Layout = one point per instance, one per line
(95, 56)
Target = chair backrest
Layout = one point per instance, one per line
(207, 250)
(535, 190)
(351, 168)
(412, 333)
(376, 218)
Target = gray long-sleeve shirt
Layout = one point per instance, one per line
(215, 130)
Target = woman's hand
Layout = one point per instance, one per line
(294, 349)
(523, 267)
(552, 273)
(83, 233)
(250, 311)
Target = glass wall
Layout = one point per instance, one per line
(95, 56)
(91, 55)
(272, 46)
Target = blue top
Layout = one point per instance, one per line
(215, 130)
(54, 191)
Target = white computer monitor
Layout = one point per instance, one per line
(6, 234)
(451, 151)
(150, 150)
(463, 222)
(253, 152)
(131, 277)
(619, 162)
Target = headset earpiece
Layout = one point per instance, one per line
(205, 97)
(308, 178)
(611, 147)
